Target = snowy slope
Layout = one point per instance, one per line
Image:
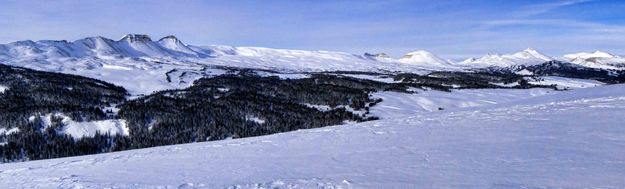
(400, 105)
(597, 59)
(528, 56)
(571, 139)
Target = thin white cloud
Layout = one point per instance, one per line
(572, 24)
(546, 7)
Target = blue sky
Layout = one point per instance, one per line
(453, 29)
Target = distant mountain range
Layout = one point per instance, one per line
(170, 47)
(141, 64)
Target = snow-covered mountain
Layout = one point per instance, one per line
(528, 56)
(170, 48)
(425, 59)
(140, 64)
(597, 59)
(132, 45)
(173, 44)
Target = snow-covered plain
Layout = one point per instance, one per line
(565, 139)
(401, 104)
(566, 83)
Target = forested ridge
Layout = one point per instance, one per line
(30, 93)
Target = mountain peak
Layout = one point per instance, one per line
(531, 54)
(170, 38)
(94, 39)
(24, 43)
(136, 38)
(418, 53)
(530, 49)
(423, 57)
(587, 55)
(527, 56)
(602, 54)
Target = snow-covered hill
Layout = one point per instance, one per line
(528, 56)
(140, 64)
(570, 139)
(426, 59)
(94, 52)
(597, 59)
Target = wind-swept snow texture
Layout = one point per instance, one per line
(566, 139)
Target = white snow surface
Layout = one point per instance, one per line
(567, 139)
(566, 83)
(3, 88)
(9, 131)
(400, 104)
(87, 128)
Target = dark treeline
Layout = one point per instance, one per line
(445, 81)
(557, 68)
(29, 91)
(562, 69)
(245, 105)
(227, 106)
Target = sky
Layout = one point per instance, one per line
(452, 29)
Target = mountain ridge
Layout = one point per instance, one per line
(528, 56)
(171, 47)
(142, 65)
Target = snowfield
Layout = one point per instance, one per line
(401, 105)
(568, 139)
(566, 83)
